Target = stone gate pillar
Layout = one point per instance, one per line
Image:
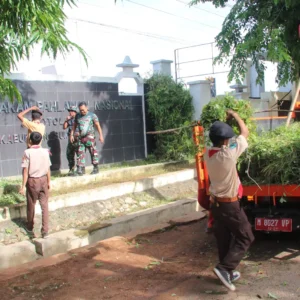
(162, 66)
(200, 91)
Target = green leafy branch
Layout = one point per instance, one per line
(260, 30)
(25, 24)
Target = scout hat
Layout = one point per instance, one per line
(221, 130)
(73, 108)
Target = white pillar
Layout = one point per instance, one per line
(162, 66)
(254, 89)
(127, 72)
(200, 91)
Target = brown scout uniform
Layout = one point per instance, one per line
(37, 160)
(230, 218)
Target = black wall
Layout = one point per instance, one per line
(121, 119)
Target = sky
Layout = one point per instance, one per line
(144, 30)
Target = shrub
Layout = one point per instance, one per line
(170, 106)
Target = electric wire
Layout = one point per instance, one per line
(142, 33)
(171, 14)
(196, 7)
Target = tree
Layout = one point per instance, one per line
(25, 24)
(260, 30)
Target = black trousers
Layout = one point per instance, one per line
(233, 233)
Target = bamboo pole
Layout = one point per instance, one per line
(293, 103)
(172, 129)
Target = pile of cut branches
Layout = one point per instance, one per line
(216, 109)
(274, 157)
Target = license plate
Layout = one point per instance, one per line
(265, 224)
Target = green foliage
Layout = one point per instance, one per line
(216, 109)
(7, 183)
(259, 30)
(11, 199)
(25, 24)
(8, 89)
(170, 106)
(216, 3)
(274, 157)
(9, 192)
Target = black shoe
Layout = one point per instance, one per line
(30, 233)
(83, 170)
(95, 170)
(235, 275)
(224, 276)
(79, 171)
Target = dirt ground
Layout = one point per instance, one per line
(168, 264)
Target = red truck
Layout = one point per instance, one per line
(270, 208)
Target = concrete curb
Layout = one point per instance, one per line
(71, 239)
(102, 193)
(14, 255)
(117, 173)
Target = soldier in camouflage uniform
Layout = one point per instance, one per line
(86, 122)
(72, 148)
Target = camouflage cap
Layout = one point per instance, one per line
(73, 108)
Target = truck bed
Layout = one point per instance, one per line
(272, 207)
(272, 190)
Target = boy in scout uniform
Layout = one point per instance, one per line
(72, 148)
(33, 126)
(36, 179)
(232, 229)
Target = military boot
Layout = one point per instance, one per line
(95, 170)
(79, 171)
(72, 172)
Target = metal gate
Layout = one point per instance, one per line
(197, 63)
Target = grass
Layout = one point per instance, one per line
(11, 199)
(10, 187)
(10, 192)
(4, 183)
